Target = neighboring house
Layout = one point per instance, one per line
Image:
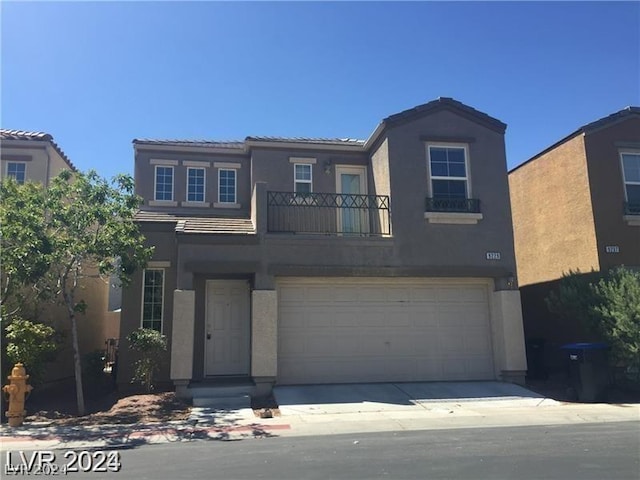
(301, 260)
(34, 156)
(576, 206)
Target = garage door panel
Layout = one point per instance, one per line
(382, 330)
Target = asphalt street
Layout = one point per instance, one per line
(592, 451)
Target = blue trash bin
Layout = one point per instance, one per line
(588, 370)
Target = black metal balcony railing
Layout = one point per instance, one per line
(632, 208)
(328, 213)
(464, 205)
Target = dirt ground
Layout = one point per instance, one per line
(111, 408)
(57, 406)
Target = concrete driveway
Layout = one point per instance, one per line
(406, 397)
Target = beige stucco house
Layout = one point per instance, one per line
(36, 157)
(576, 206)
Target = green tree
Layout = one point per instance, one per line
(608, 304)
(24, 245)
(151, 345)
(82, 226)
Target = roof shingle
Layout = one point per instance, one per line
(196, 224)
(6, 134)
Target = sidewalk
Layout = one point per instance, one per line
(207, 424)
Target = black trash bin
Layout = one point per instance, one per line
(588, 370)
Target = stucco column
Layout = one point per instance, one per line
(264, 339)
(508, 336)
(184, 302)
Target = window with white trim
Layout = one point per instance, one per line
(152, 298)
(17, 171)
(164, 183)
(227, 185)
(631, 172)
(302, 179)
(448, 171)
(195, 184)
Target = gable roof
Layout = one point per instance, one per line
(586, 129)
(23, 135)
(448, 103)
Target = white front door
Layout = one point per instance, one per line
(227, 328)
(353, 214)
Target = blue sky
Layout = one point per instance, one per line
(97, 75)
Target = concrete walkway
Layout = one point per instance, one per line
(334, 409)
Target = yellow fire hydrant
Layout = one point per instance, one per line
(17, 391)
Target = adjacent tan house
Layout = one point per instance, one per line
(305, 260)
(35, 156)
(576, 206)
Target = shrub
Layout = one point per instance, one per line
(608, 304)
(152, 347)
(31, 343)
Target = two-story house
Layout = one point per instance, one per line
(576, 206)
(303, 260)
(36, 157)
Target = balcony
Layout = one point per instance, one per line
(452, 210)
(328, 214)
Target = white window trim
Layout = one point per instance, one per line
(144, 271)
(158, 264)
(624, 179)
(227, 165)
(466, 178)
(155, 183)
(204, 192)
(220, 203)
(163, 162)
(21, 163)
(458, 218)
(632, 220)
(304, 160)
(197, 164)
(296, 181)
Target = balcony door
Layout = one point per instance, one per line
(351, 184)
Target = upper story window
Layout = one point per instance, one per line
(17, 171)
(449, 199)
(303, 182)
(152, 298)
(164, 183)
(226, 185)
(195, 184)
(448, 169)
(631, 172)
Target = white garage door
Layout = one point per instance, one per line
(338, 330)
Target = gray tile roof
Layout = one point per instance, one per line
(197, 224)
(586, 129)
(6, 134)
(190, 143)
(443, 102)
(619, 115)
(323, 141)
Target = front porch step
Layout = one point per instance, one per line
(213, 391)
(231, 402)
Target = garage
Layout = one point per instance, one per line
(342, 330)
